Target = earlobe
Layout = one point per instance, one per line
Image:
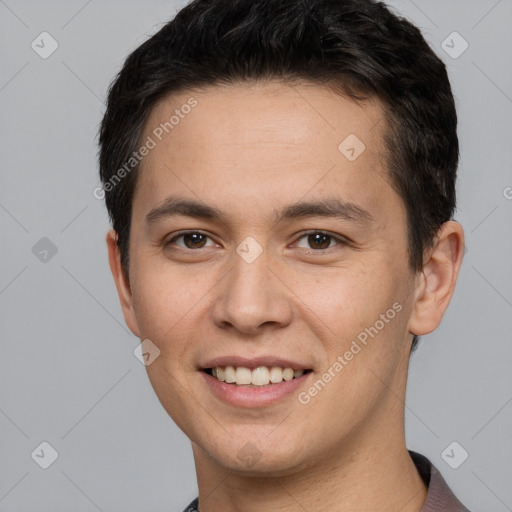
(122, 282)
(438, 278)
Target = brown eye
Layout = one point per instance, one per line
(319, 241)
(191, 240)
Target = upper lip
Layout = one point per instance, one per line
(254, 362)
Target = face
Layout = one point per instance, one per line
(295, 255)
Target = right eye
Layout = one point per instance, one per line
(191, 240)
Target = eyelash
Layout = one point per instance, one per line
(340, 240)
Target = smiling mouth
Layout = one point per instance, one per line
(255, 377)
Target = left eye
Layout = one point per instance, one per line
(320, 240)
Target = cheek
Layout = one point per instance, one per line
(359, 313)
(345, 298)
(163, 299)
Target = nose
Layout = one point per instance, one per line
(252, 298)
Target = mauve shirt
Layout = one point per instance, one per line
(439, 496)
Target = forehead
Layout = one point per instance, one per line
(265, 113)
(266, 138)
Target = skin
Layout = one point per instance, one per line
(249, 150)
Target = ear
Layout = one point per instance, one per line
(436, 282)
(122, 282)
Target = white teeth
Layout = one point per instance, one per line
(243, 375)
(229, 374)
(261, 376)
(288, 374)
(276, 374)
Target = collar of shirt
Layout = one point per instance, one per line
(440, 498)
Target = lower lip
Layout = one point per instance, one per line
(245, 396)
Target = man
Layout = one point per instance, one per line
(280, 176)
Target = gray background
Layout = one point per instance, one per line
(68, 375)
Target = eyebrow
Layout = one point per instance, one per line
(329, 207)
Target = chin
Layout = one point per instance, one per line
(250, 461)
(257, 454)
